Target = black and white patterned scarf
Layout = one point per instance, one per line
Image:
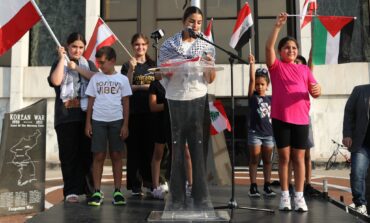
(172, 48)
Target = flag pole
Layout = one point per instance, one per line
(48, 27)
(117, 38)
(298, 15)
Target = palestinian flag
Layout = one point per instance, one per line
(220, 122)
(243, 28)
(332, 37)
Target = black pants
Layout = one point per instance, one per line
(75, 157)
(140, 147)
(187, 125)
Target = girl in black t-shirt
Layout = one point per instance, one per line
(140, 140)
(260, 136)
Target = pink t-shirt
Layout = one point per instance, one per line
(290, 95)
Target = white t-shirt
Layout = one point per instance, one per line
(108, 91)
(186, 86)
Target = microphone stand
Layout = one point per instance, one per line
(232, 203)
(155, 46)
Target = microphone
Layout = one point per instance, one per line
(192, 33)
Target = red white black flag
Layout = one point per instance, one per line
(243, 28)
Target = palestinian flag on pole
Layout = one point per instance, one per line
(220, 122)
(332, 37)
(243, 28)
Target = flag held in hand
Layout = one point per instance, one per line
(308, 9)
(16, 18)
(243, 28)
(102, 36)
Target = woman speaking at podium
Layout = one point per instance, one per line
(186, 92)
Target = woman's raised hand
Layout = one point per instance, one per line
(132, 63)
(281, 19)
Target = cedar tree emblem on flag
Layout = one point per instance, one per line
(218, 118)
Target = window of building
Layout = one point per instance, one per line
(167, 15)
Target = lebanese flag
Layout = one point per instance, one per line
(16, 18)
(243, 28)
(208, 32)
(102, 36)
(219, 119)
(332, 37)
(309, 7)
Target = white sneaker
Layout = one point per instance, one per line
(164, 187)
(300, 204)
(285, 204)
(158, 193)
(361, 209)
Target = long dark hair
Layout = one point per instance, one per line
(190, 11)
(76, 36)
(137, 36)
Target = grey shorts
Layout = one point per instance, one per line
(254, 138)
(106, 133)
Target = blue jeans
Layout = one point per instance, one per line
(359, 166)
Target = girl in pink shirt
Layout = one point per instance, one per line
(291, 86)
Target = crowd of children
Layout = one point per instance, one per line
(120, 107)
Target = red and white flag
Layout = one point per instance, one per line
(243, 28)
(219, 119)
(309, 7)
(102, 36)
(208, 32)
(16, 18)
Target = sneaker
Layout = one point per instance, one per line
(118, 198)
(268, 191)
(300, 204)
(361, 209)
(310, 191)
(137, 192)
(285, 204)
(164, 187)
(291, 190)
(253, 191)
(158, 193)
(96, 199)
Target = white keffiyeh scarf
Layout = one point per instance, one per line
(74, 85)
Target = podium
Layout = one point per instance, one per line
(185, 82)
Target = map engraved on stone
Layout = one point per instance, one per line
(22, 160)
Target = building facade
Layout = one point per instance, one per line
(24, 69)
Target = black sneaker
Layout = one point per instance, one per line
(253, 191)
(118, 198)
(291, 190)
(268, 191)
(137, 192)
(310, 191)
(96, 199)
